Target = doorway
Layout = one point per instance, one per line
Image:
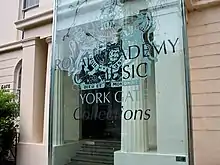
(102, 119)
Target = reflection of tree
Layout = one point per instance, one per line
(78, 5)
(136, 29)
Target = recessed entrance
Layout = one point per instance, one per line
(101, 119)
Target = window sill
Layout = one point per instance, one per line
(34, 21)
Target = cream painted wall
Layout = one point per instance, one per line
(8, 15)
(8, 31)
(35, 150)
(41, 31)
(8, 62)
(204, 49)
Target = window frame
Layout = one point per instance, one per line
(24, 8)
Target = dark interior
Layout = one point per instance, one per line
(102, 120)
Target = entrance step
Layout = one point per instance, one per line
(103, 143)
(89, 163)
(95, 158)
(96, 152)
(97, 147)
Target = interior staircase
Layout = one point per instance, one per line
(96, 152)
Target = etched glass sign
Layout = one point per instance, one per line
(102, 50)
(119, 83)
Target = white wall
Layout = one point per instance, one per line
(8, 62)
(8, 15)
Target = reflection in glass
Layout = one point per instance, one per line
(111, 84)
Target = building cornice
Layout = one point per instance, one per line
(30, 42)
(47, 16)
(35, 21)
(10, 46)
(18, 45)
(202, 4)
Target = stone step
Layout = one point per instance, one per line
(104, 151)
(103, 141)
(95, 157)
(110, 154)
(108, 143)
(99, 148)
(96, 152)
(102, 144)
(87, 163)
(92, 160)
(113, 148)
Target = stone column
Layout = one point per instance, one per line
(151, 104)
(33, 90)
(134, 126)
(47, 91)
(58, 105)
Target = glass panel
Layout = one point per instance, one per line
(30, 3)
(19, 79)
(118, 83)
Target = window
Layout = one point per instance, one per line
(17, 79)
(19, 84)
(30, 3)
(17, 88)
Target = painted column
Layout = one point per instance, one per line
(134, 130)
(58, 106)
(47, 91)
(150, 103)
(134, 126)
(169, 124)
(33, 91)
(135, 87)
